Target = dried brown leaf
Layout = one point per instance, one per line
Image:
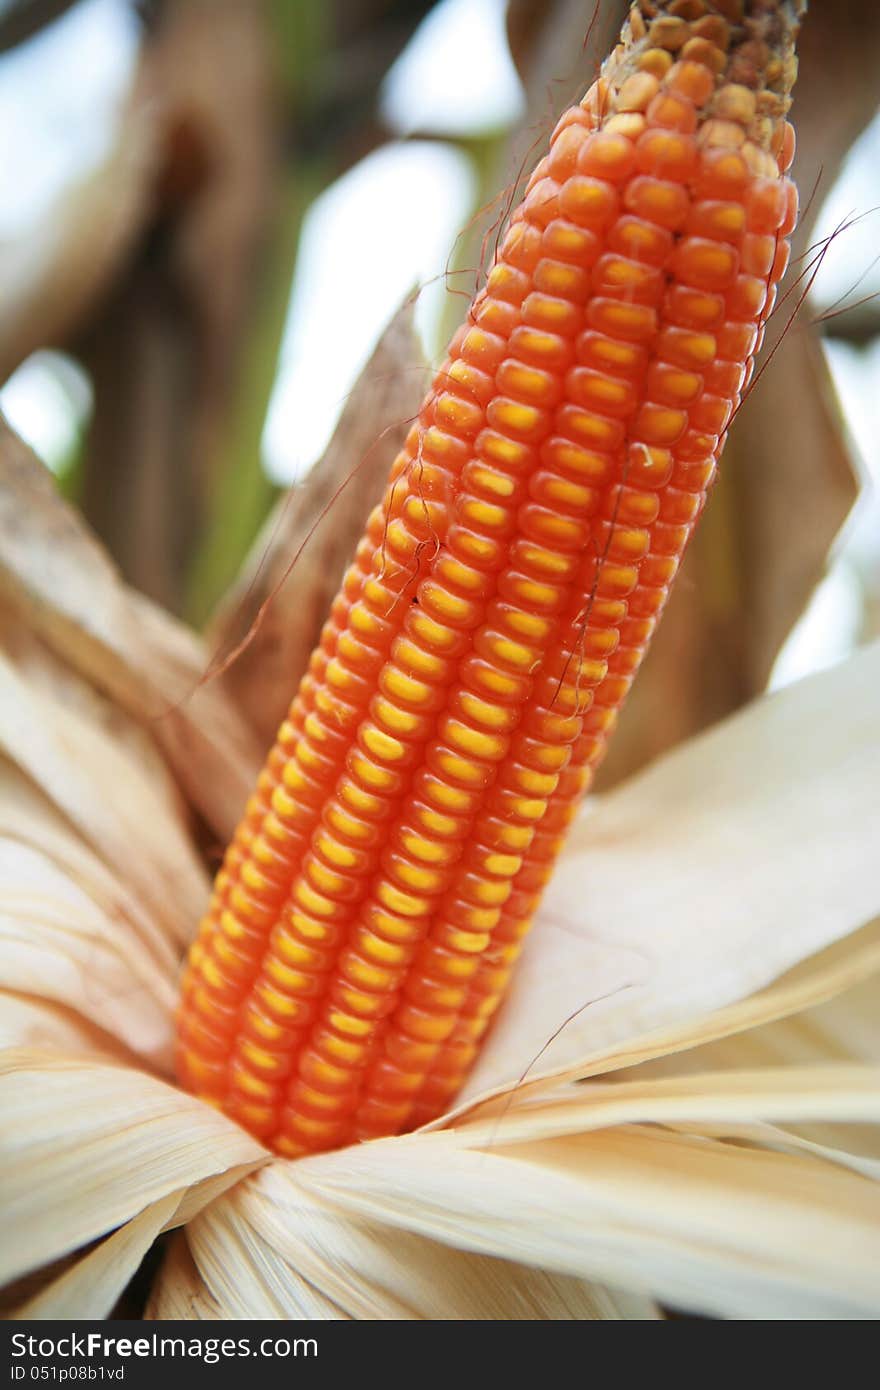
(57, 577)
(180, 353)
(50, 277)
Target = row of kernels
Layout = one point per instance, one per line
(317, 873)
(535, 756)
(294, 724)
(519, 777)
(637, 629)
(449, 763)
(486, 989)
(239, 921)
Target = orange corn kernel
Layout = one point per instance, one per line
(373, 903)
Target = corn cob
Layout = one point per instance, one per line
(373, 902)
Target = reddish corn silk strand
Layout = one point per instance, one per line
(375, 898)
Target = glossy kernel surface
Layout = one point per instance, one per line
(390, 862)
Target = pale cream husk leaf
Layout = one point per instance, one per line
(712, 940)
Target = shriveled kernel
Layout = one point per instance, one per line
(637, 26)
(655, 61)
(691, 80)
(668, 33)
(698, 50)
(735, 103)
(713, 27)
(724, 135)
(628, 123)
(596, 100)
(637, 92)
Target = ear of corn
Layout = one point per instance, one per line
(376, 896)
